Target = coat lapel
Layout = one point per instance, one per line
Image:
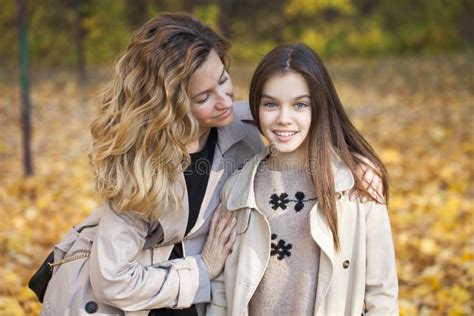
(322, 235)
(171, 231)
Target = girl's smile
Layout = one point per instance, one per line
(284, 136)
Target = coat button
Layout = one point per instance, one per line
(91, 307)
(345, 264)
(338, 195)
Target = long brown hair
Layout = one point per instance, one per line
(145, 119)
(331, 130)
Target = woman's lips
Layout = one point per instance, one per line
(224, 114)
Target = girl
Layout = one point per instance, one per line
(303, 247)
(166, 138)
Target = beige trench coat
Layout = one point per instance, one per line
(128, 271)
(362, 271)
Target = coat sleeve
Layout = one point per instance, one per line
(381, 288)
(119, 280)
(217, 306)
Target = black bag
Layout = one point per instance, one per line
(39, 281)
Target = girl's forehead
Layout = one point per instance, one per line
(290, 84)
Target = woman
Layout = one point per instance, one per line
(166, 138)
(303, 247)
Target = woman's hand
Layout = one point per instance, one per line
(370, 180)
(219, 242)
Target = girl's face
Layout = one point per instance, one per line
(211, 93)
(285, 113)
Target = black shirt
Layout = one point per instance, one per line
(196, 177)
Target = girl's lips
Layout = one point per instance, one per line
(283, 136)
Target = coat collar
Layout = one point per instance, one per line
(231, 134)
(241, 194)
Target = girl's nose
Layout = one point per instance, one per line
(283, 116)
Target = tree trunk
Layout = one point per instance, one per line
(79, 34)
(25, 89)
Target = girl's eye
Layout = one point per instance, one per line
(203, 100)
(300, 105)
(270, 105)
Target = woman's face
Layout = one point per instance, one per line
(211, 92)
(285, 112)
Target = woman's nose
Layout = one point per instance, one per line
(225, 99)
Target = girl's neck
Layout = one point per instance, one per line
(199, 143)
(296, 160)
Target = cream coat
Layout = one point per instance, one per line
(128, 271)
(362, 271)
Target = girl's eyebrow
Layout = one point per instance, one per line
(207, 90)
(297, 98)
(302, 96)
(267, 96)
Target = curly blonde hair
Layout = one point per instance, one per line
(145, 119)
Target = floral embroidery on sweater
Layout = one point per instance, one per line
(281, 249)
(281, 201)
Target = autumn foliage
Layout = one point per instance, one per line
(417, 112)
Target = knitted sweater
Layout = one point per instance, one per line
(288, 286)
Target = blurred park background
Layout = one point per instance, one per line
(403, 69)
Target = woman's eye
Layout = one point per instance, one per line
(300, 105)
(201, 101)
(224, 79)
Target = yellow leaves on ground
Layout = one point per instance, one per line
(416, 112)
(37, 211)
(421, 126)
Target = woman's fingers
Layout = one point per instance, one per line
(214, 221)
(378, 191)
(371, 182)
(225, 219)
(219, 241)
(230, 242)
(374, 185)
(228, 230)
